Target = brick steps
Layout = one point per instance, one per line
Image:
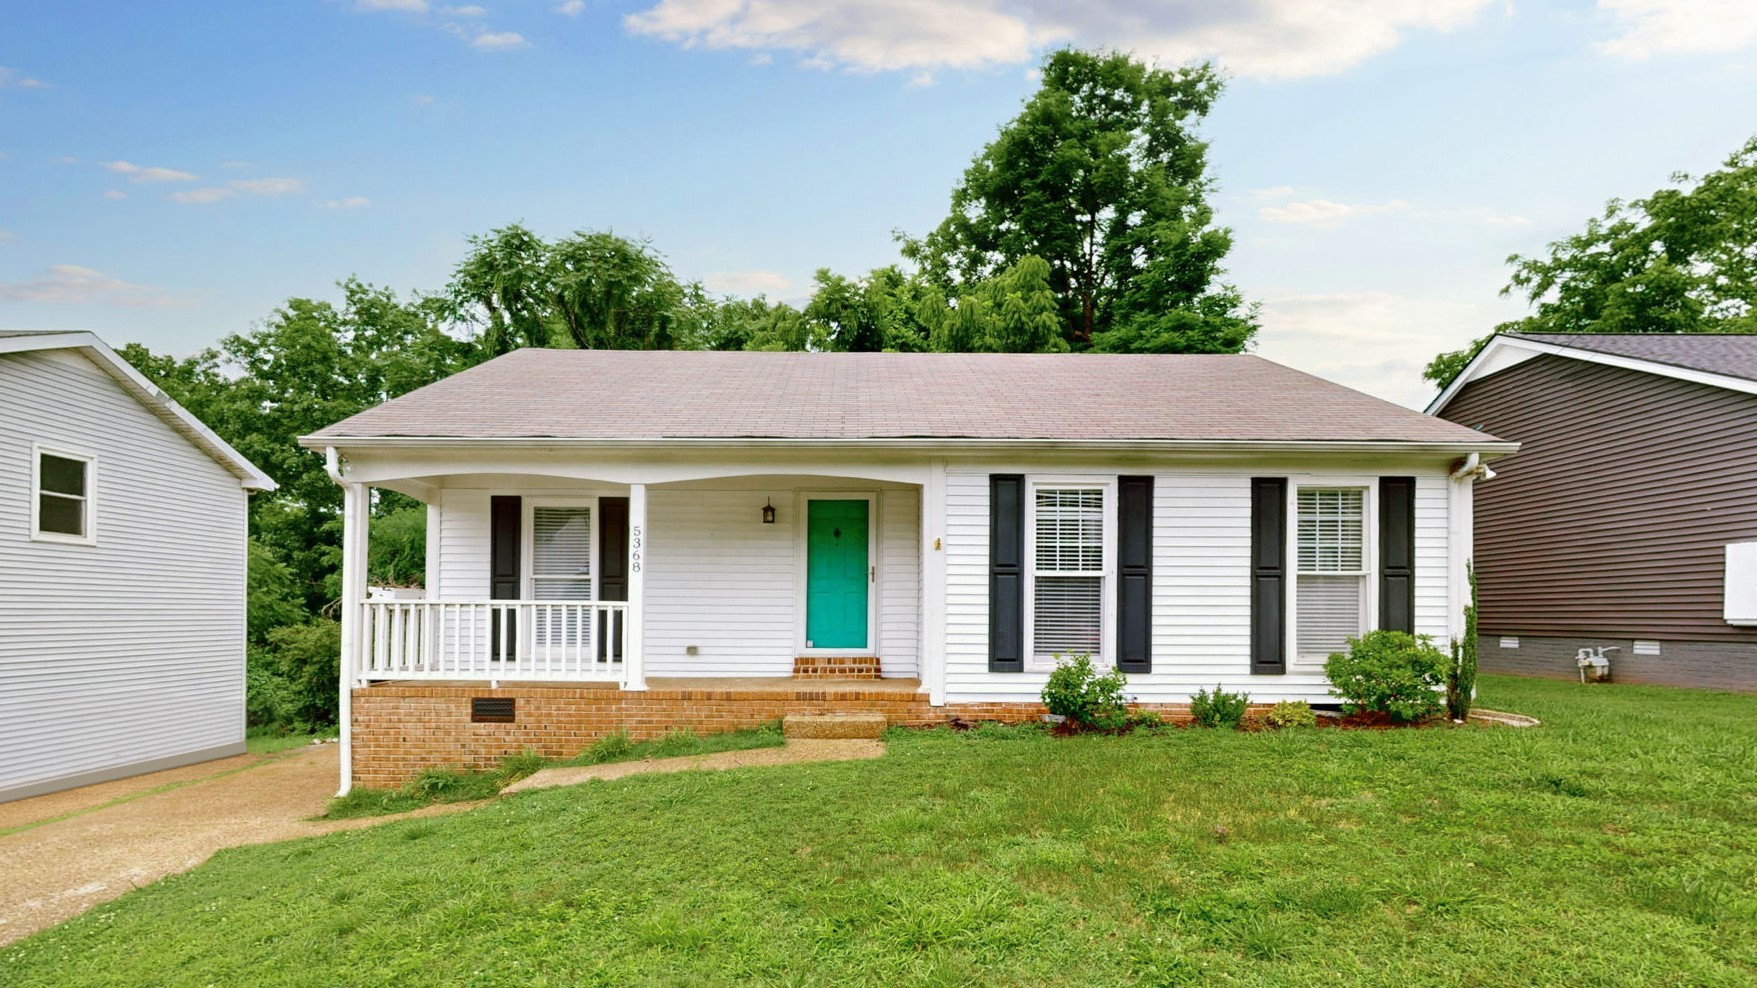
(836, 667)
(843, 726)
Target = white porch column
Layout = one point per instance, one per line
(356, 505)
(933, 583)
(634, 665)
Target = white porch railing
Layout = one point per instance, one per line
(580, 641)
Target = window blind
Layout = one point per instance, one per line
(1329, 614)
(1330, 529)
(561, 553)
(1068, 580)
(1330, 590)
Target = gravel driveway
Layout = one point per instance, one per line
(82, 847)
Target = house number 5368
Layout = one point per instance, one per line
(635, 546)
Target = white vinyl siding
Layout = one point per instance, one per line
(1067, 572)
(128, 651)
(1201, 580)
(1331, 550)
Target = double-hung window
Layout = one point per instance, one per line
(62, 499)
(1068, 571)
(561, 571)
(1332, 570)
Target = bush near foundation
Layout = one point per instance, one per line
(1078, 693)
(1391, 673)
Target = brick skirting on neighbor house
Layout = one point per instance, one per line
(402, 728)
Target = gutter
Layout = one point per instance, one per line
(1491, 447)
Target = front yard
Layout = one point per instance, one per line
(1616, 845)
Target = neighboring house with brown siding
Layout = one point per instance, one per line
(1628, 518)
(649, 541)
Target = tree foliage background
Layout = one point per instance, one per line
(1682, 260)
(1083, 226)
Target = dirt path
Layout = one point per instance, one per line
(64, 853)
(796, 750)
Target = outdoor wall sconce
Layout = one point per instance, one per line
(769, 512)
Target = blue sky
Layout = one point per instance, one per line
(169, 173)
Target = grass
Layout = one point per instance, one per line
(1616, 845)
(450, 785)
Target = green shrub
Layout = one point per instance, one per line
(1219, 708)
(1291, 713)
(1077, 692)
(292, 682)
(1461, 677)
(1389, 672)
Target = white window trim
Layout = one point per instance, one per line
(528, 541)
(1369, 555)
(36, 492)
(802, 570)
(1105, 657)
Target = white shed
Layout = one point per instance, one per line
(123, 546)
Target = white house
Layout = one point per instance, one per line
(122, 569)
(676, 528)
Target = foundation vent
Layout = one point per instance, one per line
(492, 710)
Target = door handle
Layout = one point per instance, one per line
(872, 574)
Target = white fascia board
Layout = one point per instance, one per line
(441, 443)
(1504, 351)
(148, 394)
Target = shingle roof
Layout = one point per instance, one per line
(1733, 355)
(652, 395)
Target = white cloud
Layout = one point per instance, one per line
(115, 194)
(137, 173)
(16, 79)
(352, 202)
(747, 283)
(1324, 212)
(1373, 341)
(1264, 38)
(498, 40)
(406, 6)
(270, 186)
(200, 196)
(572, 8)
(1664, 27)
(1273, 192)
(6, 235)
(470, 10)
(67, 159)
(72, 284)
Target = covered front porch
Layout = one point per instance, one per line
(538, 578)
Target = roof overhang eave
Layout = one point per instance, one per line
(1488, 448)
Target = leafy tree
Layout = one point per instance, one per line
(592, 290)
(1102, 177)
(752, 324)
(1682, 260)
(1013, 312)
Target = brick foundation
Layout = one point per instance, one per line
(402, 728)
(835, 667)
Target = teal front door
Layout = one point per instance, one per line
(836, 574)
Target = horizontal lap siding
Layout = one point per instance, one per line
(463, 546)
(129, 650)
(899, 616)
(721, 580)
(1201, 586)
(1611, 518)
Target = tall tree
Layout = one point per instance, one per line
(1682, 260)
(591, 290)
(1102, 177)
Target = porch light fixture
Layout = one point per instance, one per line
(769, 511)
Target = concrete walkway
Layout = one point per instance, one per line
(795, 751)
(65, 852)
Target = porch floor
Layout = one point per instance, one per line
(719, 684)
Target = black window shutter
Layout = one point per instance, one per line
(1006, 573)
(505, 533)
(1269, 575)
(1397, 553)
(1134, 588)
(612, 572)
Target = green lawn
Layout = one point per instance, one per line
(1616, 845)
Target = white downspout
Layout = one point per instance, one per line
(1461, 537)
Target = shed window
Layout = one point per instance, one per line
(1067, 557)
(63, 497)
(1332, 569)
